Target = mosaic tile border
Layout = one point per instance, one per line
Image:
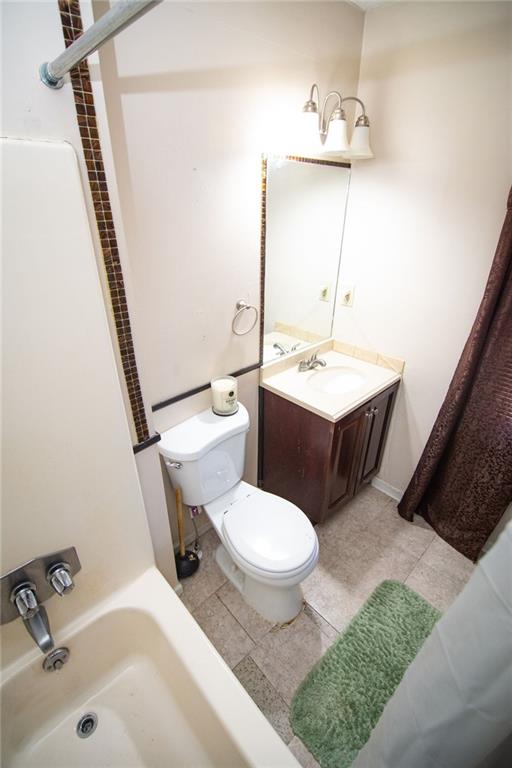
(263, 237)
(313, 160)
(72, 28)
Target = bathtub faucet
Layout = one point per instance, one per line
(24, 589)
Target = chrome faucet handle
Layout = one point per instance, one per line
(60, 578)
(310, 363)
(24, 598)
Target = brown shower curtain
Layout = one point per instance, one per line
(463, 482)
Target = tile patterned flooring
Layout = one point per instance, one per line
(360, 546)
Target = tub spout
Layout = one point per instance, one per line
(38, 628)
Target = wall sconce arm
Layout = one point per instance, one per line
(335, 112)
(362, 119)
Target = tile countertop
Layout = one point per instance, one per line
(301, 389)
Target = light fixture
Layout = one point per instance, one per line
(328, 135)
(360, 145)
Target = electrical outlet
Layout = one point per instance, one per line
(347, 295)
(325, 293)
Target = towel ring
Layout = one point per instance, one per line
(241, 307)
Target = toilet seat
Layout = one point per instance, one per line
(269, 536)
(274, 578)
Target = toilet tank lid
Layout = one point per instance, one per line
(194, 437)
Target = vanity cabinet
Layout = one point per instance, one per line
(319, 464)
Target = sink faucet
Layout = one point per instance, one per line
(310, 363)
(34, 615)
(279, 347)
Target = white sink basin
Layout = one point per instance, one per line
(337, 380)
(345, 383)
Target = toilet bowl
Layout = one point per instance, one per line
(268, 545)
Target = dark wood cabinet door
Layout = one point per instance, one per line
(343, 463)
(296, 447)
(377, 418)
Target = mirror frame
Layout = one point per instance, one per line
(263, 235)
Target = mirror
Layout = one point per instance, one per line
(304, 203)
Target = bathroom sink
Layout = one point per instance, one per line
(336, 380)
(334, 390)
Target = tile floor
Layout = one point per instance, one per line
(360, 546)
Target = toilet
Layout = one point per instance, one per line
(268, 545)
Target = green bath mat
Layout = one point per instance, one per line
(340, 701)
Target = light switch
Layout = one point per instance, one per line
(325, 293)
(346, 295)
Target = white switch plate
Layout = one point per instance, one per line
(347, 295)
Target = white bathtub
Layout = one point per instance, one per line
(162, 694)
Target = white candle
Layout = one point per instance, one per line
(224, 395)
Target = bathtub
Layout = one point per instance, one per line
(161, 693)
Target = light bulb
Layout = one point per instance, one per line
(336, 141)
(360, 145)
(309, 136)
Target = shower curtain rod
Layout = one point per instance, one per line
(120, 16)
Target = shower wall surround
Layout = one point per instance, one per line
(68, 470)
(72, 28)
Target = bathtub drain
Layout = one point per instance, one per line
(86, 725)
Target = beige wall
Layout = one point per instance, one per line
(424, 217)
(195, 93)
(32, 33)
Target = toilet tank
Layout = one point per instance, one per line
(205, 455)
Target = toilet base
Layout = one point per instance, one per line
(276, 604)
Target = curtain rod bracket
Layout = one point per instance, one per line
(48, 79)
